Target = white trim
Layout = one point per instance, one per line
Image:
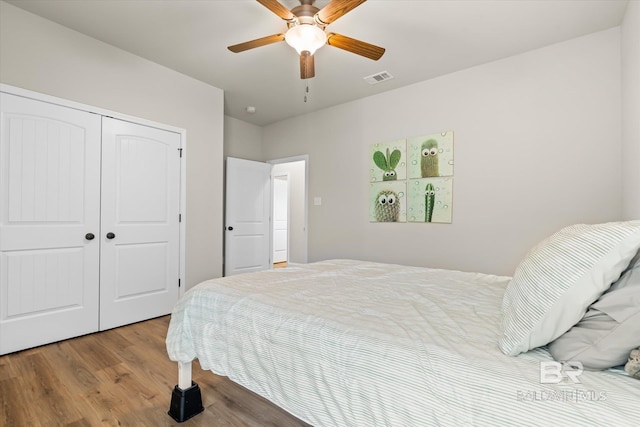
(182, 273)
(25, 93)
(84, 107)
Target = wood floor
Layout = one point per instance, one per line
(120, 377)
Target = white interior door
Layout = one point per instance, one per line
(280, 218)
(140, 222)
(248, 207)
(49, 210)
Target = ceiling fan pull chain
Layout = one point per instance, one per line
(306, 92)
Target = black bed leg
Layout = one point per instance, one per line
(185, 404)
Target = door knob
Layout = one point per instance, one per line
(89, 236)
(230, 228)
(110, 235)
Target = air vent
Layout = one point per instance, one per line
(377, 78)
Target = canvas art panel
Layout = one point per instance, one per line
(388, 201)
(388, 161)
(430, 200)
(431, 155)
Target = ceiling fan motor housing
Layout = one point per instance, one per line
(306, 9)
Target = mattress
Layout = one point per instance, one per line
(352, 343)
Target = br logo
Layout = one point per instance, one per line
(553, 372)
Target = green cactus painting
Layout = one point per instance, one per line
(388, 201)
(429, 202)
(430, 156)
(429, 160)
(388, 163)
(387, 206)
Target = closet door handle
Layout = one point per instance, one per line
(89, 236)
(110, 235)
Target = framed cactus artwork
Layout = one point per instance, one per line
(430, 200)
(388, 161)
(431, 155)
(388, 201)
(411, 180)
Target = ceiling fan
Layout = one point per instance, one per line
(306, 32)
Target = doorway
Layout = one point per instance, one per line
(249, 229)
(289, 227)
(280, 215)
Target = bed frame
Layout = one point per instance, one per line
(186, 399)
(480, 397)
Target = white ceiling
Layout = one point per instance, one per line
(423, 39)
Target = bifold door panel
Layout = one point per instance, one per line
(50, 200)
(140, 207)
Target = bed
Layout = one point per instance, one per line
(355, 343)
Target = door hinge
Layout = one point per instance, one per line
(180, 151)
(178, 282)
(179, 217)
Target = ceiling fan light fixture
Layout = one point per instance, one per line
(305, 37)
(306, 32)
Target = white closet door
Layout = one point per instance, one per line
(50, 202)
(139, 268)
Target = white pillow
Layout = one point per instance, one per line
(611, 328)
(560, 278)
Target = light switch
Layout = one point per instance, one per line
(317, 201)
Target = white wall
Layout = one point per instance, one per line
(42, 56)
(242, 140)
(537, 147)
(631, 111)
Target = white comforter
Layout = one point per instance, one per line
(350, 343)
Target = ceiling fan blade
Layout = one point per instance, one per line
(276, 7)
(355, 46)
(263, 41)
(335, 9)
(307, 65)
